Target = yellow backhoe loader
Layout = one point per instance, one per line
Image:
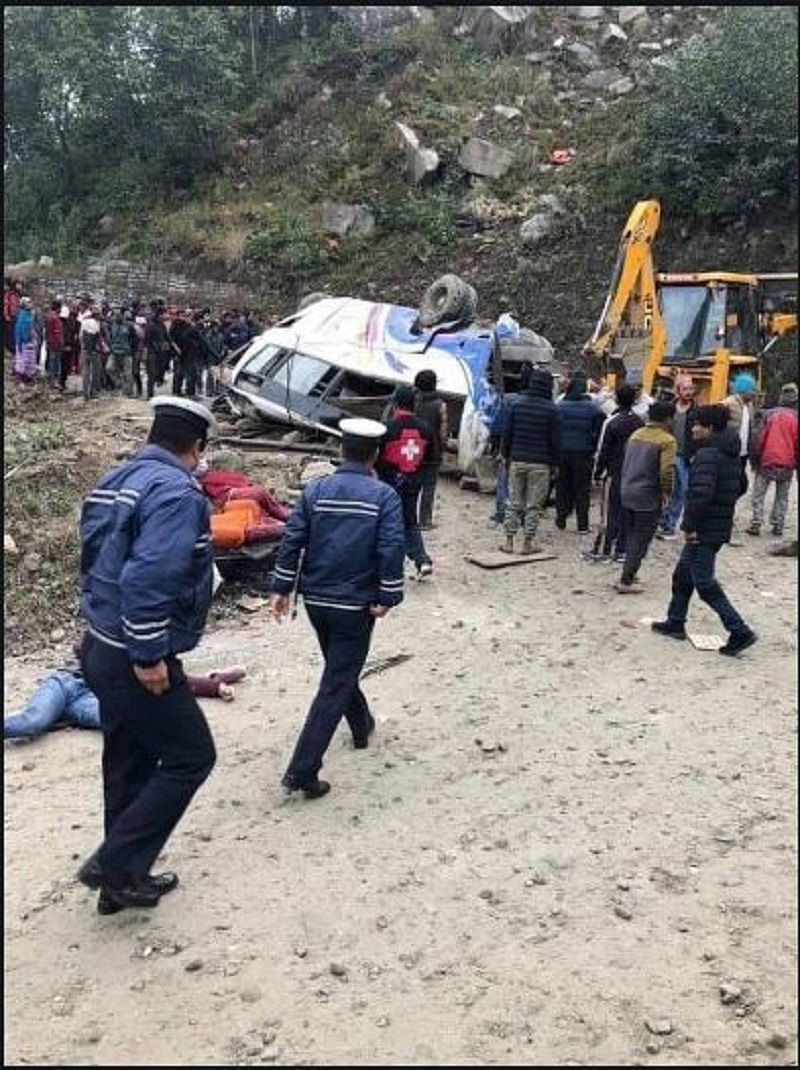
(710, 324)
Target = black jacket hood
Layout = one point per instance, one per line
(727, 442)
(540, 385)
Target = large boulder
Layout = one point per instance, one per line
(422, 163)
(484, 158)
(630, 14)
(343, 219)
(586, 56)
(536, 228)
(496, 29)
(587, 12)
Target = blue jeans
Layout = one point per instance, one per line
(695, 572)
(61, 697)
(672, 514)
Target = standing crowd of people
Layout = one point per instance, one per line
(661, 464)
(128, 349)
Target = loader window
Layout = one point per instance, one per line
(694, 317)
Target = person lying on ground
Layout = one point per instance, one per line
(63, 700)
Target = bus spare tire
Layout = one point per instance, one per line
(311, 299)
(448, 299)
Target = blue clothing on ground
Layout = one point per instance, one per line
(61, 698)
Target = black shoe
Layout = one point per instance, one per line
(737, 643)
(561, 524)
(362, 742)
(313, 789)
(91, 873)
(673, 629)
(163, 883)
(141, 896)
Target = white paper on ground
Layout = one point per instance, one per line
(705, 642)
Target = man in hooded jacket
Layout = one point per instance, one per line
(715, 485)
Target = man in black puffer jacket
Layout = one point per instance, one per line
(715, 484)
(531, 445)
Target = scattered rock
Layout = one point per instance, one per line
(486, 894)
(301, 952)
(269, 1055)
(343, 219)
(660, 1027)
(551, 203)
(777, 1041)
(316, 470)
(650, 46)
(496, 29)
(613, 34)
(250, 995)
(57, 635)
(382, 101)
(623, 885)
(586, 56)
(484, 158)
(535, 229)
(422, 163)
(506, 112)
(630, 14)
(337, 969)
(46, 261)
(381, 922)
(105, 222)
(601, 79)
(730, 992)
(587, 12)
(652, 1047)
(623, 912)
(32, 562)
(622, 86)
(194, 966)
(9, 546)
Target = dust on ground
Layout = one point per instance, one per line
(570, 841)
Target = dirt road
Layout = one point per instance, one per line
(571, 842)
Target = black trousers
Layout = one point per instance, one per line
(573, 488)
(344, 637)
(640, 527)
(429, 474)
(186, 371)
(157, 751)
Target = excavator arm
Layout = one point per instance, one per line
(630, 332)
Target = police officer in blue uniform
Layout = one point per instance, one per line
(348, 529)
(146, 575)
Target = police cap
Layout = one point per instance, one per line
(358, 429)
(173, 412)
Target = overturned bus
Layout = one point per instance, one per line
(341, 356)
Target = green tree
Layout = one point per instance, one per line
(718, 135)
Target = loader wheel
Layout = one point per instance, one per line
(446, 300)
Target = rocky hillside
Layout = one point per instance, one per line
(504, 144)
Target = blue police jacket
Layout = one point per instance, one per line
(348, 527)
(147, 558)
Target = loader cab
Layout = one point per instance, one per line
(705, 313)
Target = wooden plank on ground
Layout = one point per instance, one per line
(498, 559)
